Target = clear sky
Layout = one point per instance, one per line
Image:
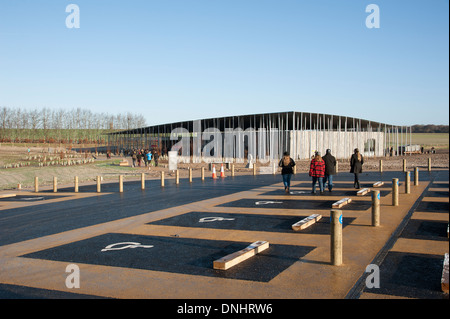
(174, 60)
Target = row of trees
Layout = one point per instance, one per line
(430, 128)
(62, 126)
(81, 119)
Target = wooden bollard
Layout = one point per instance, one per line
(162, 179)
(416, 176)
(337, 167)
(75, 181)
(203, 173)
(254, 169)
(36, 184)
(232, 170)
(404, 164)
(376, 208)
(429, 164)
(55, 184)
(120, 183)
(190, 174)
(395, 192)
(177, 177)
(407, 183)
(336, 237)
(381, 166)
(142, 180)
(99, 187)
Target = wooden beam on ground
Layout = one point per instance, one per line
(342, 202)
(233, 259)
(444, 279)
(378, 184)
(306, 222)
(7, 195)
(363, 192)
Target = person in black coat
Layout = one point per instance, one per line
(330, 169)
(356, 163)
(286, 164)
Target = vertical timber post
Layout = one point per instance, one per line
(336, 237)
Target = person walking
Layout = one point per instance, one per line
(286, 164)
(356, 163)
(330, 169)
(149, 158)
(317, 172)
(134, 157)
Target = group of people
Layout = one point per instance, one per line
(321, 169)
(139, 155)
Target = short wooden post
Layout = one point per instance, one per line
(76, 184)
(429, 164)
(190, 174)
(416, 176)
(232, 169)
(336, 237)
(254, 169)
(36, 184)
(381, 166)
(55, 184)
(376, 208)
(120, 183)
(142, 181)
(99, 187)
(407, 183)
(162, 179)
(404, 164)
(177, 177)
(395, 192)
(203, 173)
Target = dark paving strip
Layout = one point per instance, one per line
(28, 198)
(410, 275)
(252, 222)
(295, 204)
(426, 229)
(437, 193)
(295, 192)
(21, 292)
(433, 207)
(176, 255)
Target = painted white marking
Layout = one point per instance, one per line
(266, 202)
(213, 219)
(125, 245)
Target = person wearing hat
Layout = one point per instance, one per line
(286, 164)
(317, 172)
(330, 169)
(356, 163)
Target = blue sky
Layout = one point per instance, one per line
(174, 60)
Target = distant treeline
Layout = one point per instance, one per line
(62, 126)
(429, 128)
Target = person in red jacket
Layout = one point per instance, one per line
(317, 172)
